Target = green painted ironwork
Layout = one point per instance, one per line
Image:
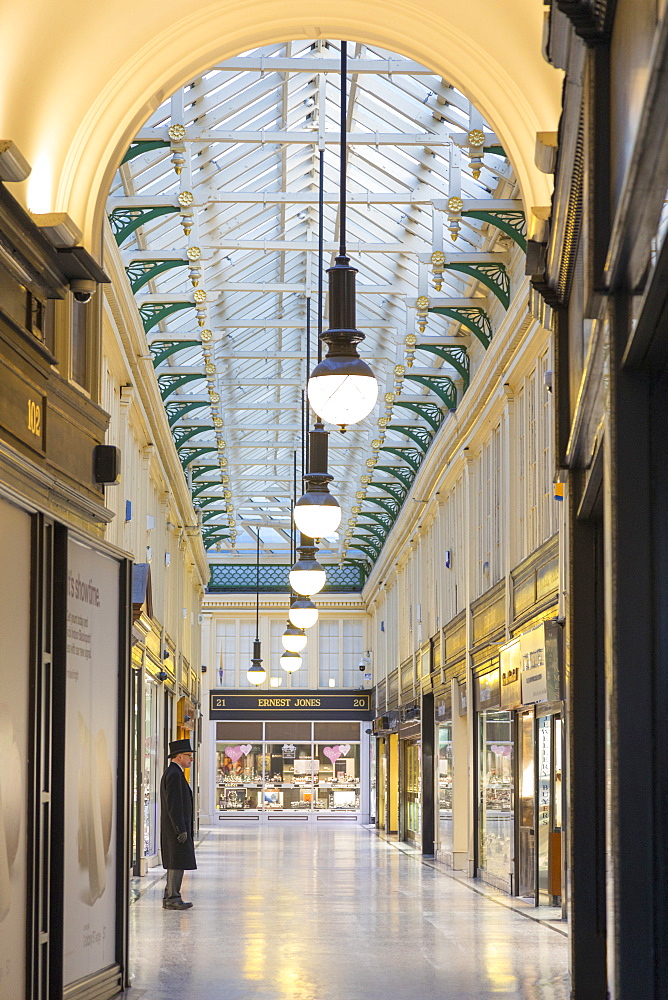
(362, 565)
(420, 435)
(430, 412)
(409, 455)
(240, 577)
(140, 272)
(497, 150)
(181, 438)
(124, 221)
(137, 148)
(170, 383)
(512, 223)
(196, 490)
(400, 472)
(208, 501)
(209, 514)
(380, 533)
(385, 520)
(391, 507)
(177, 410)
(473, 318)
(456, 356)
(441, 385)
(199, 470)
(493, 276)
(374, 543)
(191, 454)
(153, 313)
(163, 349)
(368, 549)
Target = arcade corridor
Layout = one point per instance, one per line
(284, 912)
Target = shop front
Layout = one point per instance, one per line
(530, 689)
(385, 732)
(65, 627)
(495, 782)
(410, 736)
(302, 755)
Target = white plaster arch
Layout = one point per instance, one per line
(79, 79)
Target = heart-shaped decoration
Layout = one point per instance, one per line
(246, 748)
(344, 748)
(234, 753)
(333, 753)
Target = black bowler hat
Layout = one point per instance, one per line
(179, 746)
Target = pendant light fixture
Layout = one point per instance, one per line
(256, 673)
(290, 661)
(303, 613)
(342, 389)
(317, 513)
(307, 577)
(293, 639)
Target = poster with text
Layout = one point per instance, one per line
(14, 707)
(91, 753)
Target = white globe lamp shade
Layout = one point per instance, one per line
(307, 582)
(256, 675)
(342, 390)
(317, 515)
(290, 661)
(303, 613)
(293, 639)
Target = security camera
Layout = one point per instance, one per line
(362, 666)
(83, 289)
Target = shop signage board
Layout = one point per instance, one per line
(540, 650)
(298, 704)
(91, 754)
(487, 693)
(511, 670)
(15, 531)
(463, 698)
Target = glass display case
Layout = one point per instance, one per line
(413, 797)
(445, 776)
(272, 776)
(495, 795)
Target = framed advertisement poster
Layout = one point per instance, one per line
(15, 545)
(91, 761)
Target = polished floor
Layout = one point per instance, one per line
(288, 912)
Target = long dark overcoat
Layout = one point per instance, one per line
(176, 815)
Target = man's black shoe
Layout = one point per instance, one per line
(175, 904)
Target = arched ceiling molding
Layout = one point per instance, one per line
(77, 85)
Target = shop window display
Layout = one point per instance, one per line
(495, 796)
(150, 768)
(288, 775)
(445, 776)
(413, 798)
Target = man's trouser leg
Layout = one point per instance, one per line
(173, 886)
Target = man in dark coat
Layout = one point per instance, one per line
(176, 824)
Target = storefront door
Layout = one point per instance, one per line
(381, 784)
(412, 798)
(549, 809)
(526, 869)
(495, 798)
(444, 796)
